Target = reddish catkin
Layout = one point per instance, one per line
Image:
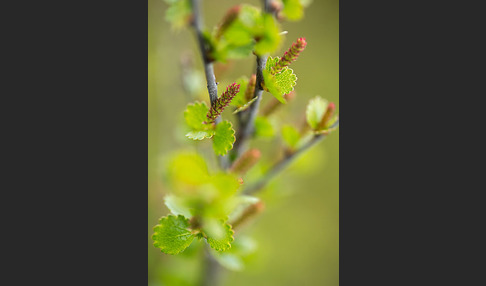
(246, 161)
(329, 111)
(222, 101)
(250, 88)
(228, 19)
(249, 212)
(291, 55)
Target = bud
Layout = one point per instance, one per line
(228, 19)
(329, 111)
(222, 101)
(291, 55)
(246, 161)
(276, 6)
(248, 213)
(250, 88)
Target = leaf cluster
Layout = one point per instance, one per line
(245, 30)
(201, 205)
(223, 133)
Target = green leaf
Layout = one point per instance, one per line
(293, 9)
(315, 111)
(291, 136)
(239, 52)
(270, 39)
(225, 183)
(280, 83)
(235, 258)
(223, 138)
(230, 261)
(263, 127)
(246, 106)
(305, 3)
(178, 13)
(250, 16)
(223, 241)
(250, 31)
(188, 168)
(176, 206)
(222, 50)
(239, 99)
(238, 34)
(195, 115)
(172, 235)
(200, 135)
(237, 41)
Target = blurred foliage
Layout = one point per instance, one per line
(244, 29)
(302, 203)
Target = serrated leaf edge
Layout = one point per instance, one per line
(209, 126)
(227, 226)
(157, 244)
(232, 135)
(197, 138)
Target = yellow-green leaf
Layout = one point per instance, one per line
(263, 127)
(280, 83)
(239, 99)
(315, 111)
(291, 136)
(176, 206)
(188, 168)
(171, 235)
(200, 135)
(246, 106)
(270, 39)
(178, 13)
(195, 115)
(223, 138)
(293, 9)
(223, 241)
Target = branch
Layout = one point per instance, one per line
(212, 269)
(208, 66)
(279, 166)
(247, 124)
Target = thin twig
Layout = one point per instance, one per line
(212, 269)
(247, 123)
(280, 165)
(208, 66)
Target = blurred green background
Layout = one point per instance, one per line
(298, 234)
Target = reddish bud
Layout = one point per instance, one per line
(250, 88)
(248, 213)
(228, 19)
(329, 112)
(246, 161)
(291, 55)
